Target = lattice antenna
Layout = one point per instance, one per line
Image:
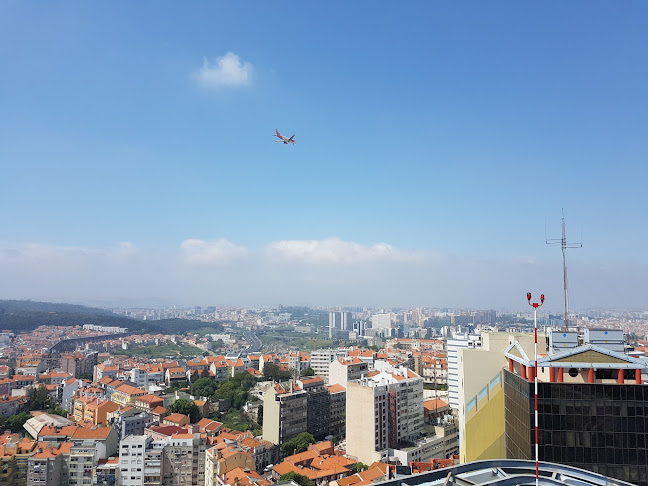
(564, 245)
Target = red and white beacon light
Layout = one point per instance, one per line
(535, 306)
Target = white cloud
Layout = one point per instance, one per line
(336, 251)
(311, 272)
(227, 70)
(219, 251)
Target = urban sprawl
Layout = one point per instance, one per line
(346, 397)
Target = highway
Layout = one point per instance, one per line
(255, 343)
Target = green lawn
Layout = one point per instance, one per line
(162, 351)
(297, 339)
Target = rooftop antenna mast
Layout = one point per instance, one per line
(563, 243)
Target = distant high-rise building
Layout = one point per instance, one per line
(346, 320)
(342, 321)
(381, 321)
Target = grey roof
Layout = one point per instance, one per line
(505, 472)
(551, 360)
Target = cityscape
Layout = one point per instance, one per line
(323, 244)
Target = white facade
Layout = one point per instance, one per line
(132, 450)
(381, 321)
(383, 411)
(454, 344)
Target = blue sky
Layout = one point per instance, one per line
(449, 132)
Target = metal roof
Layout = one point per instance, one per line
(552, 359)
(506, 472)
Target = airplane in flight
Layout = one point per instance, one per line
(283, 139)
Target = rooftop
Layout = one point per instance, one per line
(507, 472)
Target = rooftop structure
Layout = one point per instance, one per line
(505, 472)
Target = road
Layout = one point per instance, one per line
(255, 343)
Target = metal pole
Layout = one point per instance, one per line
(535, 333)
(535, 376)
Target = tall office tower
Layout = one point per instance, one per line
(381, 321)
(454, 344)
(335, 322)
(383, 411)
(592, 407)
(346, 321)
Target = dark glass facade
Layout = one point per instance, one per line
(598, 427)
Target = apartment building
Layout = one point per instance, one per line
(454, 345)
(384, 410)
(337, 420)
(137, 461)
(183, 460)
(318, 417)
(219, 461)
(341, 371)
(285, 413)
(320, 361)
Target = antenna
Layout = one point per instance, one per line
(563, 243)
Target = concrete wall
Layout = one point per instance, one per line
(484, 430)
(360, 423)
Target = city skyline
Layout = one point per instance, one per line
(435, 145)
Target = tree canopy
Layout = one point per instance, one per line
(272, 372)
(297, 444)
(185, 407)
(204, 387)
(298, 478)
(308, 372)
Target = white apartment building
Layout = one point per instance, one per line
(83, 458)
(341, 371)
(131, 459)
(140, 461)
(383, 410)
(321, 360)
(454, 344)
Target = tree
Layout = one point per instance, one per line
(272, 372)
(308, 372)
(297, 444)
(298, 478)
(57, 410)
(38, 398)
(15, 422)
(185, 407)
(359, 467)
(203, 387)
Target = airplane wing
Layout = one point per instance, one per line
(291, 138)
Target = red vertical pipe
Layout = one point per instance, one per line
(552, 374)
(560, 375)
(620, 377)
(590, 375)
(638, 376)
(510, 365)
